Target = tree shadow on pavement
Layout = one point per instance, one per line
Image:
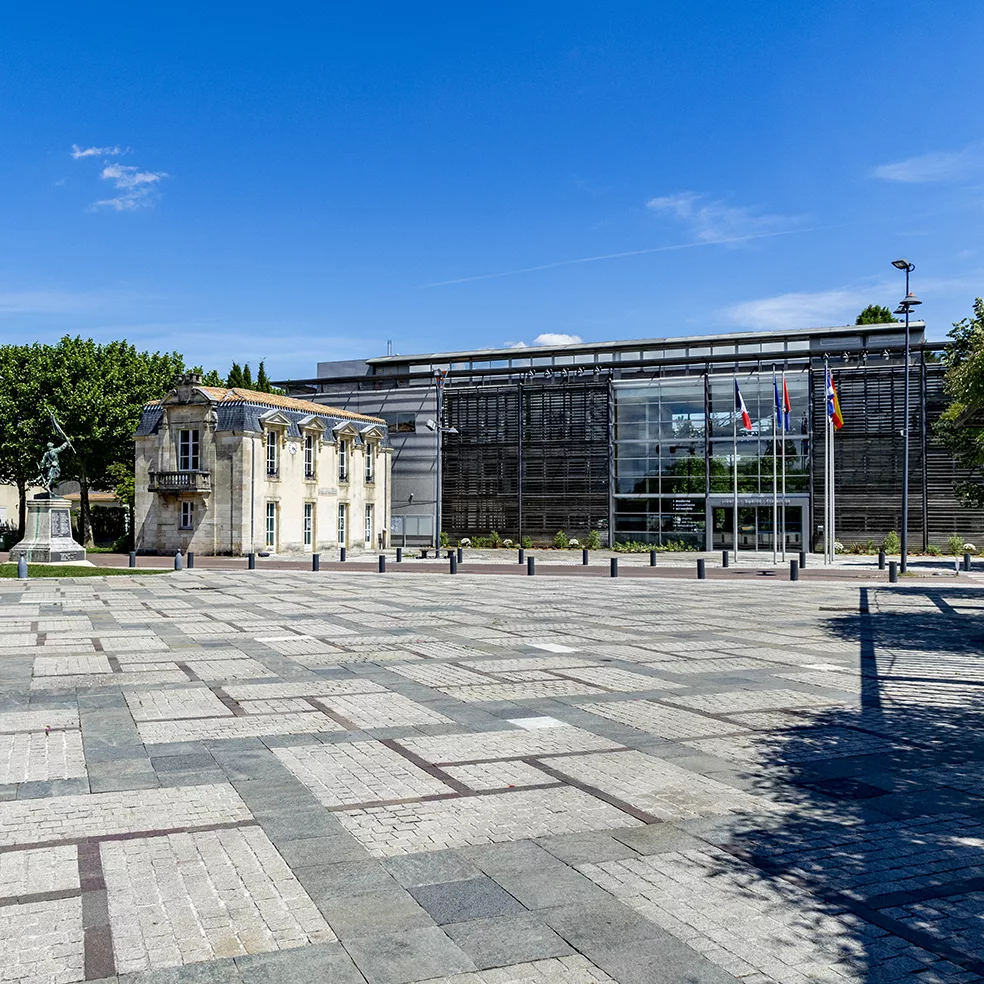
(872, 866)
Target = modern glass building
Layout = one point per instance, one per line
(637, 438)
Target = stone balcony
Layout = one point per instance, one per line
(183, 481)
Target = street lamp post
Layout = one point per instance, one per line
(908, 302)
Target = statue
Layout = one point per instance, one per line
(49, 467)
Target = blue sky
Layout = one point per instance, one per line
(303, 182)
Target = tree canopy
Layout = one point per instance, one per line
(96, 391)
(961, 426)
(875, 314)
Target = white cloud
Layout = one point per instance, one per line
(78, 152)
(548, 338)
(138, 187)
(557, 338)
(938, 166)
(804, 310)
(711, 220)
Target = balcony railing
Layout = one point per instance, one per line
(188, 481)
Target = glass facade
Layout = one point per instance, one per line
(675, 448)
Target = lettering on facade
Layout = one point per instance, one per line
(327, 491)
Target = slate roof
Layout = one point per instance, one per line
(241, 409)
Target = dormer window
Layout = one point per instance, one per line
(343, 452)
(370, 464)
(272, 454)
(189, 450)
(310, 455)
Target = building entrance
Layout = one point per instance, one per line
(755, 530)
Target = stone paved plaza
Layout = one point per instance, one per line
(340, 777)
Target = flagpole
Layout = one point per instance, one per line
(783, 428)
(775, 498)
(734, 460)
(826, 468)
(833, 491)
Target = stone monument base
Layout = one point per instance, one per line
(48, 533)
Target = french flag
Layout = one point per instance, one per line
(740, 408)
(786, 406)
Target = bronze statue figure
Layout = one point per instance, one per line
(50, 470)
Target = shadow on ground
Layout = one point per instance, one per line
(873, 866)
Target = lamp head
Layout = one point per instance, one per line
(904, 265)
(909, 301)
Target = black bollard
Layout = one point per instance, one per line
(701, 573)
(794, 570)
(522, 556)
(452, 562)
(584, 557)
(251, 561)
(881, 560)
(450, 554)
(22, 567)
(382, 563)
(315, 562)
(614, 566)
(725, 558)
(893, 572)
(531, 566)
(399, 555)
(133, 558)
(190, 558)
(802, 560)
(342, 554)
(461, 556)
(966, 561)
(178, 563)
(652, 558)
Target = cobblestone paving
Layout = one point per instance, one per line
(240, 778)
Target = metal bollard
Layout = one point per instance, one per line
(382, 563)
(251, 561)
(584, 557)
(614, 566)
(652, 558)
(530, 566)
(802, 560)
(522, 556)
(461, 555)
(794, 570)
(966, 561)
(881, 560)
(133, 558)
(725, 559)
(399, 555)
(452, 562)
(701, 573)
(450, 554)
(178, 563)
(190, 558)
(893, 572)
(342, 552)
(315, 562)
(22, 567)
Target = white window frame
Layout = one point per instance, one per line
(189, 450)
(342, 523)
(187, 520)
(308, 525)
(272, 454)
(310, 457)
(343, 452)
(369, 523)
(270, 526)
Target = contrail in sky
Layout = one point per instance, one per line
(616, 256)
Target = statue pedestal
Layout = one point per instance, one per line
(48, 533)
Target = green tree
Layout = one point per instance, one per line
(875, 314)
(262, 380)
(247, 377)
(961, 425)
(235, 377)
(97, 392)
(23, 430)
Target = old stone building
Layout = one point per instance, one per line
(230, 471)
